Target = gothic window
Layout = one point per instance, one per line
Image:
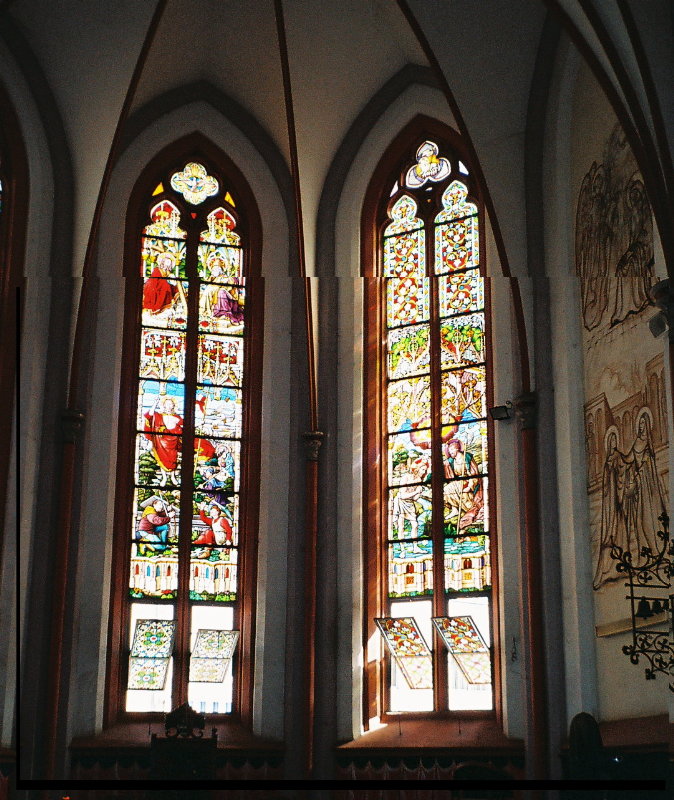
(189, 442)
(429, 540)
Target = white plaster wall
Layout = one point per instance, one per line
(19, 528)
(415, 100)
(94, 558)
(597, 672)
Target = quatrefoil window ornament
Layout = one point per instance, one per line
(429, 167)
(194, 183)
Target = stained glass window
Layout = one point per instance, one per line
(188, 398)
(434, 335)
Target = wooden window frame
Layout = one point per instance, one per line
(194, 147)
(374, 218)
(13, 225)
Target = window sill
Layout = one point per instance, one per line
(478, 736)
(133, 736)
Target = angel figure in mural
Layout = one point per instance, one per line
(632, 501)
(614, 237)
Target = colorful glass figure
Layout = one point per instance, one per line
(464, 641)
(409, 649)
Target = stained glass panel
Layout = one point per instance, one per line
(221, 308)
(430, 166)
(152, 407)
(165, 221)
(164, 303)
(220, 263)
(194, 183)
(409, 351)
(462, 341)
(410, 568)
(456, 246)
(408, 300)
(467, 564)
(213, 574)
(150, 653)
(408, 648)
(409, 404)
(217, 464)
(147, 673)
(220, 360)
(460, 293)
(409, 457)
(153, 638)
(455, 203)
(465, 643)
(163, 258)
(410, 510)
(213, 651)
(156, 518)
(404, 255)
(151, 466)
(218, 411)
(215, 520)
(162, 355)
(221, 224)
(465, 507)
(464, 395)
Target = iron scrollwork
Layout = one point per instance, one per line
(649, 584)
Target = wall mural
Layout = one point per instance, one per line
(614, 237)
(625, 410)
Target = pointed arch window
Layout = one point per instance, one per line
(189, 443)
(429, 542)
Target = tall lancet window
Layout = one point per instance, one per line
(189, 443)
(430, 544)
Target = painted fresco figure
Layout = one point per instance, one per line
(464, 497)
(643, 495)
(632, 501)
(613, 529)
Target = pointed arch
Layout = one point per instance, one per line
(189, 437)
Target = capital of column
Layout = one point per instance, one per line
(526, 409)
(313, 441)
(72, 423)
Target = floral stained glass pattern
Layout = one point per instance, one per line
(150, 653)
(212, 654)
(464, 641)
(408, 648)
(456, 231)
(408, 300)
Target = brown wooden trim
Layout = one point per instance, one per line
(534, 607)
(195, 147)
(13, 223)
(375, 501)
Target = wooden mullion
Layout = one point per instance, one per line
(441, 699)
(183, 622)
